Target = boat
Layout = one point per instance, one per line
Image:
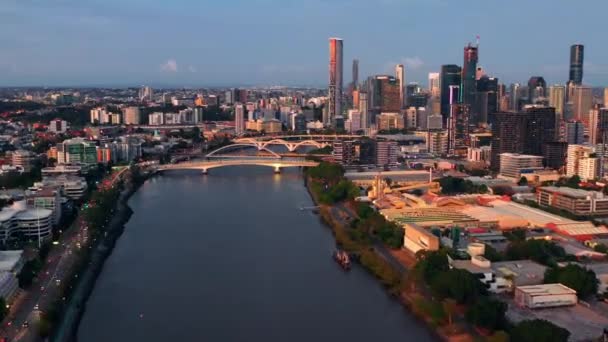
(342, 259)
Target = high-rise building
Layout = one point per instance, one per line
(582, 162)
(390, 121)
(605, 97)
(400, 76)
(298, 122)
(515, 97)
(536, 89)
(76, 151)
(450, 76)
(554, 153)
(146, 94)
(434, 84)
(522, 132)
(577, 52)
(354, 121)
(386, 152)
(486, 100)
(131, 116)
(239, 119)
(335, 79)
(363, 108)
(355, 74)
(575, 133)
(469, 69)
(512, 164)
(383, 95)
(582, 102)
(557, 100)
(434, 122)
(412, 90)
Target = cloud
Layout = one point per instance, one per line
(192, 69)
(169, 66)
(412, 63)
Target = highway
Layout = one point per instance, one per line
(21, 323)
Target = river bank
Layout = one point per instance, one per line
(400, 289)
(68, 326)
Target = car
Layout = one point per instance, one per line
(36, 307)
(26, 324)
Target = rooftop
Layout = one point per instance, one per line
(546, 289)
(524, 272)
(578, 193)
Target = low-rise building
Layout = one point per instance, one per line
(417, 238)
(513, 165)
(545, 296)
(47, 197)
(576, 201)
(25, 159)
(62, 170)
(33, 223)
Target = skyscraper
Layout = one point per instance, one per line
(577, 52)
(450, 76)
(363, 109)
(434, 84)
(514, 91)
(383, 95)
(335, 80)
(536, 88)
(582, 100)
(605, 97)
(400, 76)
(486, 100)
(239, 119)
(355, 73)
(146, 94)
(131, 115)
(469, 69)
(557, 99)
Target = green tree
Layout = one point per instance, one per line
(431, 264)
(515, 235)
(538, 330)
(460, 285)
(492, 254)
(580, 279)
(541, 251)
(487, 313)
(522, 181)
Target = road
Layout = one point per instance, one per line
(45, 289)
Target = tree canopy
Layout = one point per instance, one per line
(487, 313)
(538, 330)
(541, 251)
(454, 185)
(580, 279)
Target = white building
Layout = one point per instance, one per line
(72, 187)
(512, 165)
(156, 119)
(479, 154)
(545, 296)
(58, 126)
(582, 161)
(32, 222)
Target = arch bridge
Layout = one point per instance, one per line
(291, 145)
(206, 165)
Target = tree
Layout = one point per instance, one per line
(449, 306)
(580, 279)
(487, 313)
(522, 181)
(431, 264)
(538, 330)
(460, 285)
(515, 235)
(541, 251)
(492, 254)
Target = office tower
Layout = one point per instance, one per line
(582, 162)
(383, 94)
(400, 76)
(239, 119)
(486, 100)
(575, 133)
(557, 100)
(452, 119)
(515, 96)
(469, 69)
(411, 90)
(582, 102)
(390, 121)
(421, 118)
(411, 118)
(450, 76)
(554, 154)
(76, 151)
(298, 122)
(536, 88)
(363, 108)
(146, 94)
(131, 116)
(355, 74)
(605, 97)
(522, 132)
(354, 121)
(437, 142)
(512, 164)
(386, 153)
(335, 80)
(434, 84)
(434, 121)
(577, 52)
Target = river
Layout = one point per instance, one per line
(231, 257)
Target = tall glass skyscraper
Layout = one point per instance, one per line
(469, 69)
(400, 76)
(355, 73)
(450, 76)
(577, 54)
(335, 79)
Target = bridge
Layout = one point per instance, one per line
(206, 165)
(292, 142)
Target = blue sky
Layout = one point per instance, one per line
(270, 42)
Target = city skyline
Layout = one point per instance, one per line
(281, 47)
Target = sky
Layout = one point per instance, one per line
(285, 42)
